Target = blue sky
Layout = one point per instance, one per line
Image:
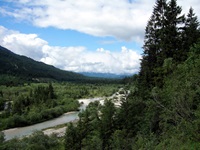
(82, 36)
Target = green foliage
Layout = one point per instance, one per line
(190, 34)
(119, 140)
(131, 109)
(33, 103)
(107, 122)
(72, 141)
(169, 35)
(1, 104)
(181, 90)
(36, 141)
(172, 112)
(2, 140)
(90, 128)
(1, 137)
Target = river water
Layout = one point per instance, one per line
(65, 118)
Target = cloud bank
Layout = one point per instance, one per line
(78, 59)
(122, 19)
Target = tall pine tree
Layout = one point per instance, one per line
(162, 41)
(173, 23)
(152, 42)
(190, 34)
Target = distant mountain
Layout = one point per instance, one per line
(105, 75)
(23, 67)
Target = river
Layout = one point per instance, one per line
(65, 118)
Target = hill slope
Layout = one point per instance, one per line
(29, 69)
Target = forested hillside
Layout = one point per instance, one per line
(16, 69)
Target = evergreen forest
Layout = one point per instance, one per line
(161, 112)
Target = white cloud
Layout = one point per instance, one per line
(122, 19)
(77, 59)
(24, 44)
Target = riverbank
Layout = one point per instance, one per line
(28, 130)
(116, 98)
(65, 118)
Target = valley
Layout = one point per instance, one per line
(46, 108)
(18, 132)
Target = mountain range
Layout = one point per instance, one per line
(105, 75)
(22, 68)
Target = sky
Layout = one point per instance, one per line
(103, 36)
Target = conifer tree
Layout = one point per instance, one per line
(152, 47)
(71, 138)
(51, 94)
(191, 33)
(107, 123)
(173, 22)
(162, 41)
